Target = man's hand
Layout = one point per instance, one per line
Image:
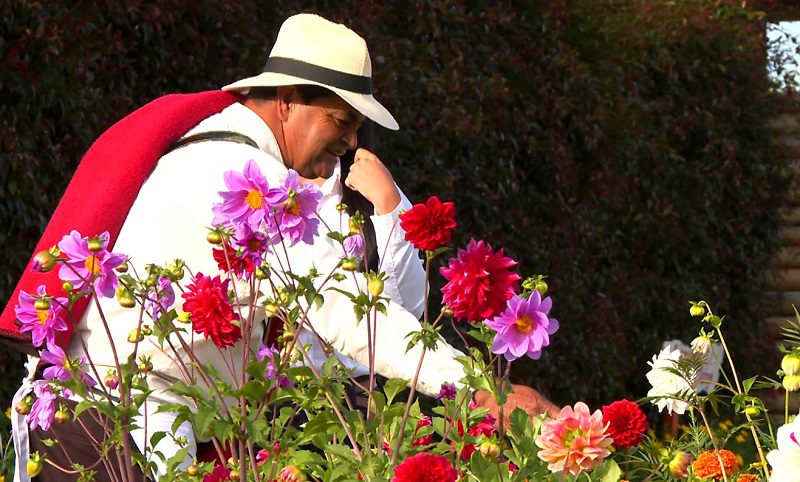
(523, 397)
(370, 177)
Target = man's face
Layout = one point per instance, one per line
(317, 133)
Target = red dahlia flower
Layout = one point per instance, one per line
(627, 423)
(425, 467)
(479, 282)
(212, 312)
(429, 226)
(241, 267)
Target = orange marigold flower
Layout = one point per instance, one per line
(747, 478)
(707, 464)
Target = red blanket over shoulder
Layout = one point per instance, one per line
(106, 183)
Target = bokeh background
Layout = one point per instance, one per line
(622, 148)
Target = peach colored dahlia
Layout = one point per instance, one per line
(575, 440)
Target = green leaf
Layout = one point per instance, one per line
(520, 421)
(392, 387)
(749, 383)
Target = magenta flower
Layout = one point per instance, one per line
(62, 368)
(43, 324)
(248, 199)
(524, 328)
(479, 282)
(159, 298)
(354, 246)
(447, 392)
(255, 245)
(84, 266)
(574, 441)
(295, 218)
(271, 373)
(44, 408)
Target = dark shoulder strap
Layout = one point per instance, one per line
(228, 136)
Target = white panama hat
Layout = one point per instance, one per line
(311, 50)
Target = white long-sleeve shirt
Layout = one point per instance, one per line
(169, 220)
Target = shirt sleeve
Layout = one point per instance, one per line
(399, 259)
(335, 322)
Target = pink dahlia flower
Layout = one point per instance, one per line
(62, 368)
(84, 266)
(296, 216)
(479, 282)
(255, 245)
(43, 324)
(44, 408)
(248, 198)
(574, 441)
(524, 328)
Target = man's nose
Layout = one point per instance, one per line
(351, 137)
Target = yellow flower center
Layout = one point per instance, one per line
(42, 315)
(572, 435)
(92, 264)
(524, 324)
(254, 199)
(295, 209)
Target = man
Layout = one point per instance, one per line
(301, 113)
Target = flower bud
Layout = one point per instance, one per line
(123, 268)
(679, 465)
(697, 310)
(341, 207)
(62, 415)
(145, 366)
(339, 276)
(489, 449)
(290, 473)
(791, 383)
(752, 411)
(349, 264)
(287, 337)
(125, 299)
(135, 336)
(375, 285)
(67, 287)
(35, 465)
(271, 310)
(541, 287)
(791, 363)
(43, 262)
(261, 273)
(95, 245)
(112, 379)
(23, 407)
(354, 225)
(214, 237)
(192, 470)
(446, 311)
(42, 304)
(184, 317)
(234, 475)
(146, 330)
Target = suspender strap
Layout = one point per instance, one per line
(228, 136)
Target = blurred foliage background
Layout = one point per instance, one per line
(618, 147)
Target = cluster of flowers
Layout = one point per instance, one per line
(83, 261)
(481, 288)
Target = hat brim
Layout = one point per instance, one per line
(364, 103)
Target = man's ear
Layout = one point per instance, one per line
(285, 100)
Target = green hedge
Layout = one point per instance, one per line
(621, 150)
